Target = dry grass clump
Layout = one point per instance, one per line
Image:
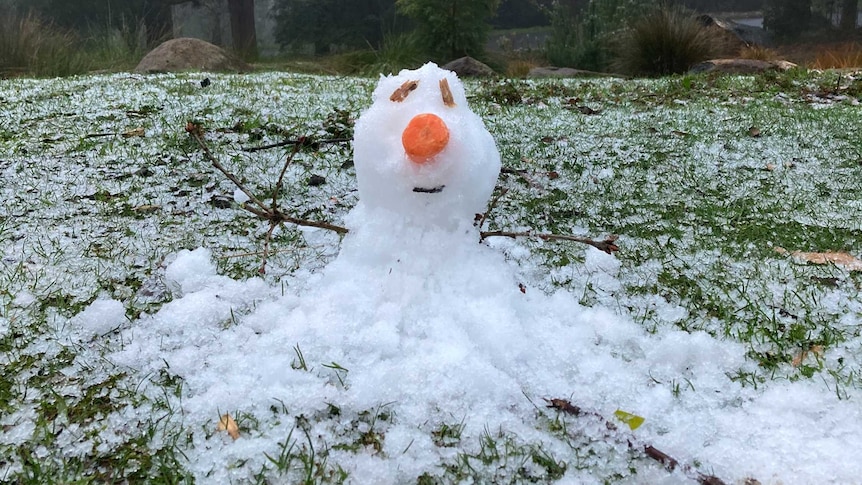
(758, 52)
(30, 45)
(841, 56)
(666, 40)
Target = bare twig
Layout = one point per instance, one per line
(491, 206)
(608, 245)
(669, 462)
(195, 132)
(254, 205)
(300, 142)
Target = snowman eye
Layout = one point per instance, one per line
(401, 93)
(448, 99)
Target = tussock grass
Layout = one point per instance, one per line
(666, 40)
(32, 46)
(843, 56)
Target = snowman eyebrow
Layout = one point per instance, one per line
(448, 99)
(401, 93)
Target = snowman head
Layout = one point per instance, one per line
(421, 153)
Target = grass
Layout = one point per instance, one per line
(32, 46)
(670, 165)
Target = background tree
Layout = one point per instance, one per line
(448, 29)
(242, 27)
(786, 19)
(849, 14)
(334, 24)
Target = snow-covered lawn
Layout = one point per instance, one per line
(133, 318)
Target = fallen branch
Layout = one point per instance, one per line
(670, 463)
(301, 141)
(271, 213)
(608, 245)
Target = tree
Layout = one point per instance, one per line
(449, 29)
(786, 18)
(849, 14)
(242, 27)
(333, 24)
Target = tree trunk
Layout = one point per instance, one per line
(849, 13)
(242, 28)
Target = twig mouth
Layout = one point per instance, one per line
(429, 190)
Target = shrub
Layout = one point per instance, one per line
(666, 40)
(581, 37)
(448, 29)
(32, 46)
(29, 45)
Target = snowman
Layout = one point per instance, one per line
(421, 154)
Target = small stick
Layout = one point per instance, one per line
(301, 141)
(491, 206)
(668, 461)
(280, 181)
(272, 214)
(608, 245)
(215, 163)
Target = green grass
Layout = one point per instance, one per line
(669, 165)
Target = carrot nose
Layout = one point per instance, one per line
(425, 136)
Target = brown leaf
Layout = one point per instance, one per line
(227, 423)
(838, 258)
(680, 133)
(800, 357)
(135, 132)
(754, 132)
(770, 167)
(146, 208)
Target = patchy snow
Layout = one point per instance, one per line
(414, 319)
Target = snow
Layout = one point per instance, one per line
(416, 319)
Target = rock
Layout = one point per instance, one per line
(469, 67)
(187, 54)
(735, 35)
(550, 71)
(741, 66)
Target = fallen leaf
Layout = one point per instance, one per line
(838, 258)
(680, 133)
(227, 423)
(632, 420)
(800, 357)
(146, 208)
(587, 110)
(135, 132)
(770, 167)
(754, 132)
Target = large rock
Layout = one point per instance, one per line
(187, 54)
(735, 36)
(469, 67)
(741, 66)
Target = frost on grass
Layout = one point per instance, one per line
(335, 367)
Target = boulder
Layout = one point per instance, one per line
(550, 71)
(741, 66)
(469, 67)
(187, 54)
(735, 36)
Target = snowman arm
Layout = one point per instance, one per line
(608, 245)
